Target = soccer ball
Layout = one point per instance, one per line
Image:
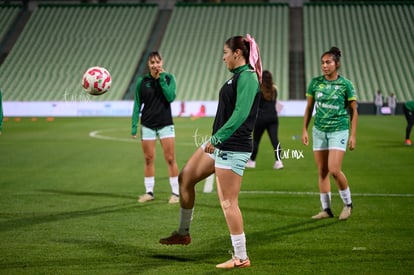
(96, 81)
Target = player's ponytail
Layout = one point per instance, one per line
(250, 51)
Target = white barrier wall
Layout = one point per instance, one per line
(124, 108)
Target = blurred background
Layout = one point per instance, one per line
(46, 46)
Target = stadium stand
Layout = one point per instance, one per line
(7, 16)
(194, 39)
(376, 42)
(60, 42)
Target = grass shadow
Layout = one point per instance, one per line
(47, 218)
(92, 194)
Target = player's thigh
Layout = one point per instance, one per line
(168, 145)
(272, 130)
(335, 160)
(228, 184)
(321, 160)
(258, 131)
(411, 118)
(198, 167)
(148, 147)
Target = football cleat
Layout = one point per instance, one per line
(174, 199)
(278, 165)
(346, 212)
(176, 238)
(145, 198)
(326, 213)
(235, 262)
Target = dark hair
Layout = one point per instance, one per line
(335, 52)
(239, 42)
(267, 86)
(154, 54)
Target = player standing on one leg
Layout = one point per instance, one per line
(228, 150)
(333, 95)
(156, 91)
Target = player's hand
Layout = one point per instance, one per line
(209, 148)
(305, 137)
(158, 71)
(134, 136)
(351, 143)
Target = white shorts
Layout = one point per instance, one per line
(152, 134)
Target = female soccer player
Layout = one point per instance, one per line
(156, 90)
(408, 109)
(229, 148)
(267, 120)
(333, 95)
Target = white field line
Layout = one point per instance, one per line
(270, 192)
(99, 135)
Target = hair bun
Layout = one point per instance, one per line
(336, 51)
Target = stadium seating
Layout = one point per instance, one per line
(193, 45)
(8, 14)
(61, 41)
(376, 41)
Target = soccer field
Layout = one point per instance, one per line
(69, 188)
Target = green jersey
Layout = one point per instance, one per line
(236, 111)
(331, 101)
(409, 105)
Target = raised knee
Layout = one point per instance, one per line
(185, 178)
(181, 175)
(225, 204)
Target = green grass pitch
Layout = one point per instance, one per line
(68, 203)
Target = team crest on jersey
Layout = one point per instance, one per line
(230, 81)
